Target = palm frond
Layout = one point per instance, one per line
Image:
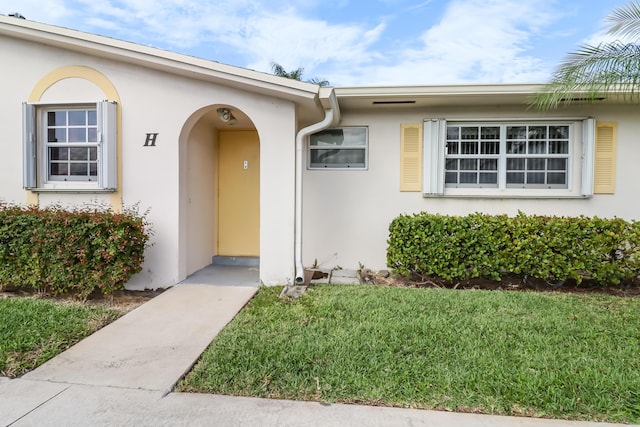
(593, 71)
(278, 70)
(625, 20)
(296, 74)
(318, 81)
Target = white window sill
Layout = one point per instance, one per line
(71, 189)
(509, 193)
(333, 168)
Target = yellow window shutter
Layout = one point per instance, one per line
(411, 157)
(604, 179)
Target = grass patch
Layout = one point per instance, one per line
(517, 353)
(33, 331)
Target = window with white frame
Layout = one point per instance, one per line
(71, 144)
(70, 147)
(539, 158)
(338, 148)
(521, 155)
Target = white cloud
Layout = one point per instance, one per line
(180, 24)
(259, 32)
(248, 29)
(603, 37)
(53, 13)
(293, 41)
(474, 41)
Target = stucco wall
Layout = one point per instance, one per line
(156, 179)
(347, 212)
(201, 196)
(277, 131)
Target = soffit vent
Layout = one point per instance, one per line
(392, 102)
(601, 98)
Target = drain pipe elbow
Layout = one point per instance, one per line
(330, 115)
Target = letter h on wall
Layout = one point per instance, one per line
(151, 140)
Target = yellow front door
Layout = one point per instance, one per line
(238, 193)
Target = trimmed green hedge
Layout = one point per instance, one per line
(606, 251)
(70, 251)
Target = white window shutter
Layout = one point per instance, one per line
(108, 137)
(588, 152)
(434, 142)
(29, 158)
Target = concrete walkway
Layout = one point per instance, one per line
(122, 376)
(153, 346)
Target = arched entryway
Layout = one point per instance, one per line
(219, 189)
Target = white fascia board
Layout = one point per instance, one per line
(437, 90)
(422, 96)
(519, 93)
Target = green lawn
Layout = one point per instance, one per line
(32, 331)
(520, 353)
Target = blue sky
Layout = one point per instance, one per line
(363, 43)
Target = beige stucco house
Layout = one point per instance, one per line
(230, 162)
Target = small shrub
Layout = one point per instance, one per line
(70, 251)
(606, 251)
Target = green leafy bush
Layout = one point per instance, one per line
(606, 251)
(70, 251)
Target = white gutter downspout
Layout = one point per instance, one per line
(332, 115)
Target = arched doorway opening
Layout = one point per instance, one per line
(219, 189)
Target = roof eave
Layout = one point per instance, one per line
(159, 59)
(448, 96)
